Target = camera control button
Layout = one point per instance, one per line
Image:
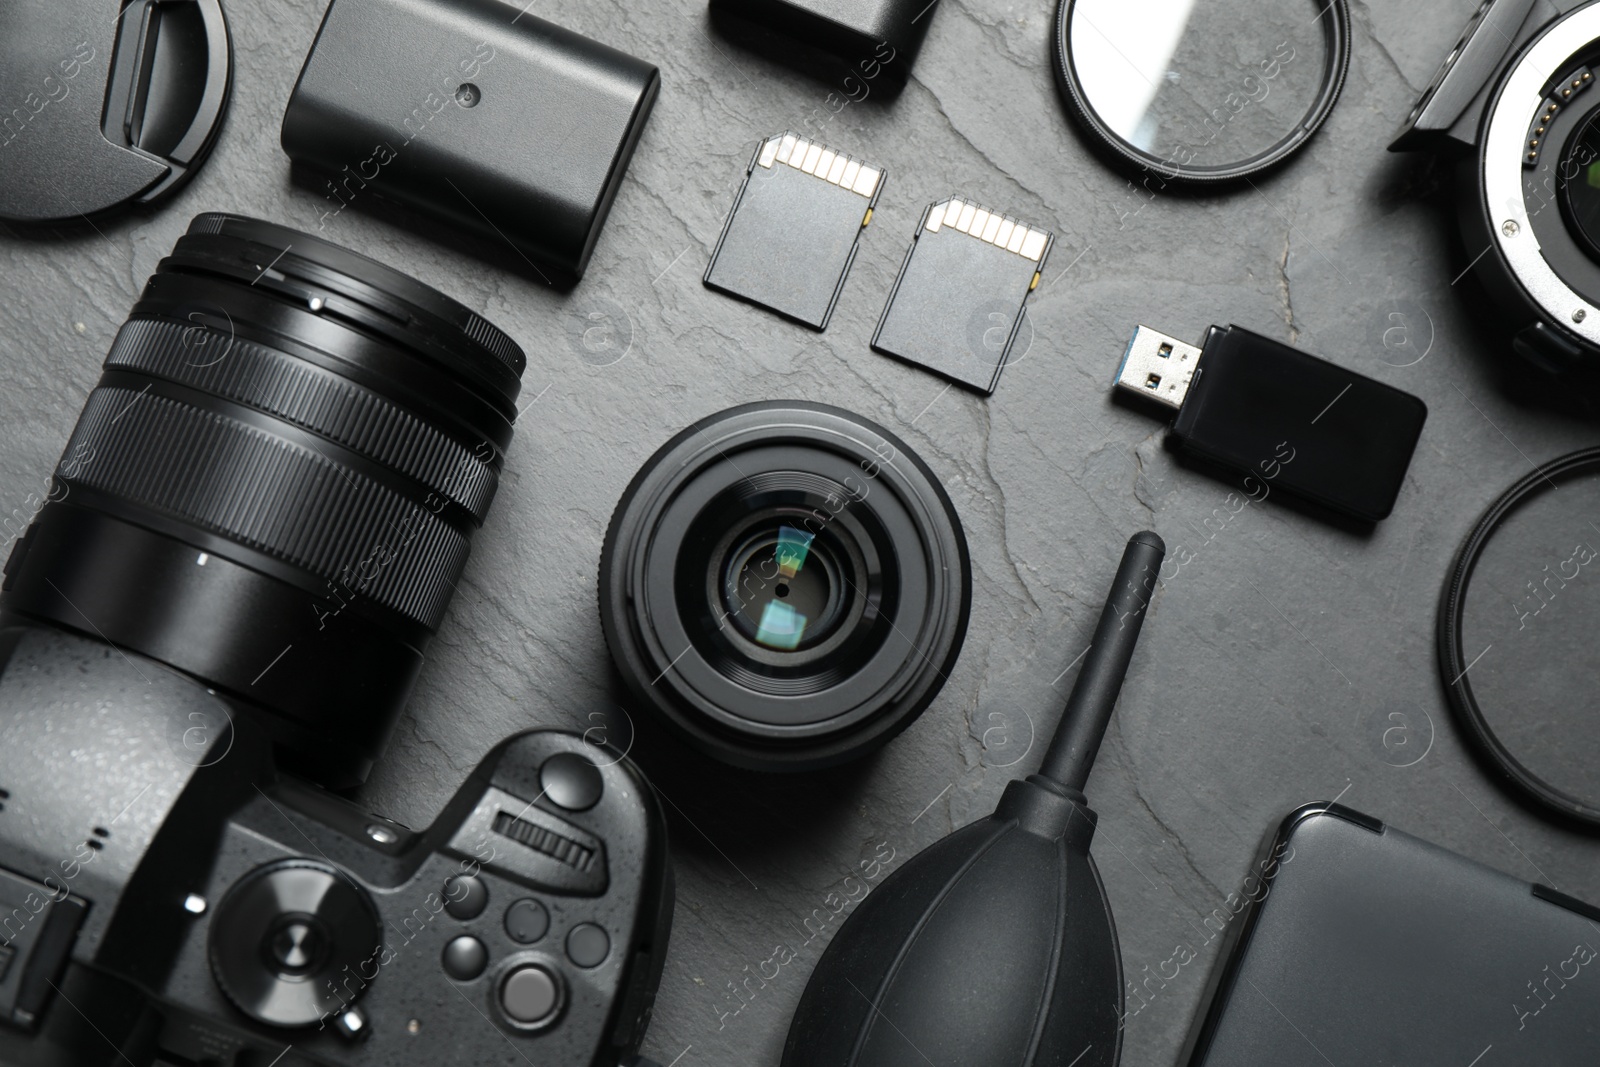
(588, 945)
(465, 958)
(527, 921)
(571, 781)
(465, 897)
(530, 995)
(352, 1024)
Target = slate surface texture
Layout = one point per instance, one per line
(1276, 662)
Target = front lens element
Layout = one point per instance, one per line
(777, 597)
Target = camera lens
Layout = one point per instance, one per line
(1580, 183)
(274, 485)
(786, 585)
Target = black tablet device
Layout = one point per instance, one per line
(1369, 946)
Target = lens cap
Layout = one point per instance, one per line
(106, 109)
(1202, 91)
(1516, 636)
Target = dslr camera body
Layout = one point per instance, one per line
(1515, 106)
(166, 897)
(251, 538)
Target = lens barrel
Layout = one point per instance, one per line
(786, 585)
(275, 483)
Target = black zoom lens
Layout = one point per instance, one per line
(786, 584)
(274, 485)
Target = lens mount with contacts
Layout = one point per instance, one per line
(1527, 155)
(786, 585)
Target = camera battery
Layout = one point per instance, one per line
(492, 122)
(849, 29)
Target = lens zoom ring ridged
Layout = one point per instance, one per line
(494, 341)
(287, 501)
(307, 396)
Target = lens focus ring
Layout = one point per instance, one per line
(298, 392)
(292, 502)
(274, 485)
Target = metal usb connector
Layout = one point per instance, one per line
(1158, 367)
(1248, 404)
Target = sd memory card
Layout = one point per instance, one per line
(958, 304)
(792, 234)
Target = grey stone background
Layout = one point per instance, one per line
(1272, 663)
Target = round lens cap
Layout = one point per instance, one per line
(1516, 636)
(1214, 91)
(106, 109)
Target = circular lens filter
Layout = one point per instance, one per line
(1516, 636)
(1201, 91)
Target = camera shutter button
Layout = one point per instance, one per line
(571, 781)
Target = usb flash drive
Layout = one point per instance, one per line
(1245, 402)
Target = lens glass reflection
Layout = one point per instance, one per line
(1200, 83)
(780, 590)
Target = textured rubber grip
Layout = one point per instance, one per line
(307, 396)
(289, 501)
(494, 341)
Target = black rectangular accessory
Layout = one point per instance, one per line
(794, 228)
(1280, 416)
(957, 307)
(850, 29)
(37, 926)
(487, 120)
(1364, 945)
